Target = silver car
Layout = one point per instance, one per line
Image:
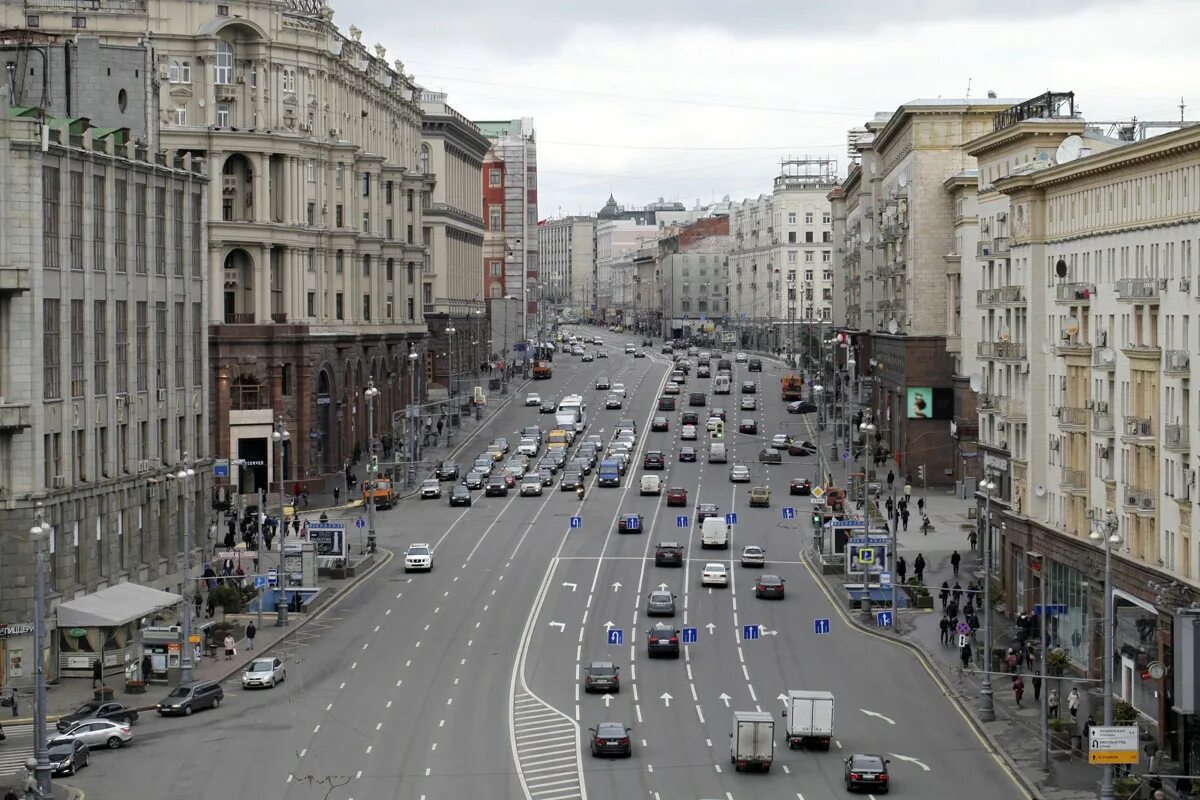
(753, 556)
(660, 603)
(740, 473)
(100, 733)
(263, 673)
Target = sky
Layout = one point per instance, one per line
(694, 100)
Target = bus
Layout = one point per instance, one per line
(571, 414)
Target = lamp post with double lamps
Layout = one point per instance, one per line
(185, 475)
(817, 392)
(413, 420)
(40, 532)
(450, 384)
(987, 709)
(281, 435)
(1106, 535)
(370, 393)
(867, 429)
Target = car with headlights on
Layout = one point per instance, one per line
(264, 673)
(447, 471)
(431, 488)
(602, 383)
(571, 480)
(662, 640)
(714, 574)
(419, 555)
(474, 480)
(460, 495)
(613, 401)
(531, 486)
(496, 486)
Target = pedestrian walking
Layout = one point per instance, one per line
(439, 427)
(1052, 703)
(901, 569)
(891, 478)
(251, 632)
(1073, 702)
(304, 494)
(952, 610)
(1030, 659)
(955, 560)
(945, 594)
(199, 602)
(944, 626)
(1090, 723)
(296, 525)
(973, 538)
(147, 668)
(891, 508)
(12, 701)
(97, 673)
(1037, 688)
(920, 504)
(919, 567)
(337, 495)
(904, 518)
(964, 653)
(211, 607)
(230, 650)
(957, 592)
(1011, 660)
(1018, 689)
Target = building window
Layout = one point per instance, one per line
(808, 218)
(77, 368)
(366, 184)
(311, 304)
(827, 236)
(808, 237)
(180, 116)
(139, 228)
(50, 218)
(121, 347)
(791, 218)
(289, 80)
(199, 342)
(366, 307)
(337, 175)
(412, 314)
(808, 256)
(180, 72)
(366, 266)
(424, 159)
(51, 351)
(791, 237)
(826, 218)
(99, 223)
(142, 332)
(310, 213)
(387, 193)
(496, 268)
(410, 200)
(197, 237)
(311, 260)
(390, 230)
(366, 222)
(339, 216)
(160, 346)
(120, 224)
(495, 219)
(100, 347)
(223, 64)
(808, 274)
(78, 21)
(827, 275)
(409, 234)
(826, 256)
(391, 270)
(411, 269)
(75, 221)
(791, 256)
(494, 177)
(427, 294)
(339, 306)
(339, 262)
(180, 344)
(222, 115)
(388, 310)
(160, 231)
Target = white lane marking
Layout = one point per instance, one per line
(638, 710)
(695, 697)
(708, 742)
(354, 665)
(303, 750)
(370, 747)
(358, 775)
(753, 696)
(433, 746)
(786, 771)
(400, 681)
(717, 767)
(366, 645)
(378, 725)
(377, 629)
(442, 723)
(700, 713)
(329, 707)
(317, 728)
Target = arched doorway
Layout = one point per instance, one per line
(237, 189)
(239, 287)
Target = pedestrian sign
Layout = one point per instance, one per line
(789, 512)
(360, 523)
(681, 521)
(883, 619)
(731, 518)
(818, 492)
(616, 636)
(866, 555)
(260, 582)
(749, 632)
(633, 522)
(690, 635)
(821, 627)
(576, 522)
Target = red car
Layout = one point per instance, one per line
(800, 486)
(676, 496)
(510, 479)
(623, 522)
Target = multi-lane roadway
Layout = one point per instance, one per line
(466, 682)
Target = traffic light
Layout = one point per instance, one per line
(374, 464)
(921, 472)
(816, 519)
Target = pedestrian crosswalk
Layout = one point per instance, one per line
(17, 747)
(547, 748)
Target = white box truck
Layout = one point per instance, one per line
(809, 718)
(714, 533)
(752, 743)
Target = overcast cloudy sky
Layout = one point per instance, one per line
(696, 99)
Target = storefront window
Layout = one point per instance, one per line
(1136, 643)
(1069, 587)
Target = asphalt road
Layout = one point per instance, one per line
(465, 682)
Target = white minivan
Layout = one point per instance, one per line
(714, 532)
(716, 453)
(651, 484)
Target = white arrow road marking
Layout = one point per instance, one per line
(610, 625)
(711, 628)
(573, 586)
(888, 720)
(562, 626)
(910, 759)
(616, 585)
(666, 698)
(725, 699)
(783, 698)
(764, 632)
(608, 700)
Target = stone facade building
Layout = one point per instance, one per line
(565, 247)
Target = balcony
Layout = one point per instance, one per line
(1000, 248)
(1073, 346)
(239, 318)
(1138, 499)
(14, 279)
(988, 401)
(1176, 437)
(1076, 293)
(15, 416)
(1137, 428)
(1177, 362)
(1074, 480)
(1133, 289)
(1099, 356)
(983, 249)
(279, 319)
(1102, 423)
(1013, 409)
(1001, 351)
(1070, 417)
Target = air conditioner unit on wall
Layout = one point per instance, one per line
(1102, 406)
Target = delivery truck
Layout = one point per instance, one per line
(752, 743)
(809, 718)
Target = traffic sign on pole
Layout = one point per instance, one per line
(360, 523)
(690, 635)
(818, 492)
(883, 619)
(681, 521)
(749, 633)
(821, 627)
(789, 512)
(1113, 744)
(576, 522)
(731, 518)
(845, 455)
(616, 636)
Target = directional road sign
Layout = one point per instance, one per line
(1113, 744)
(789, 512)
(749, 632)
(731, 518)
(883, 619)
(260, 582)
(616, 636)
(689, 635)
(360, 523)
(845, 455)
(821, 626)
(633, 522)
(1053, 609)
(576, 522)
(885, 578)
(681, 521)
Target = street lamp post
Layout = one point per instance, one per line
(867, 429)
(817, 393)
(185, 475)
(450, 383)
(1106, 534)
(413, 421)
(281, 435)
(987, 709)
(372, 464)
(41, 756)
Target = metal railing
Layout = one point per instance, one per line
(1137, 288)
(1177, 361)
(1074, 292)
(1072, 416)
(1141, 499)
(1102, 422)
(1141, 427)
(1175, 436)
(1074, 479)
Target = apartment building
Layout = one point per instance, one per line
(1087, 245)
(781, 259)
(566, 251)
(453, 299)
(103, 301)
(692, 278)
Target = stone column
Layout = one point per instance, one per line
(262, 171)
(262, 285)
(260, 96)
(216, 283)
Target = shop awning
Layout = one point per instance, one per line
(114, 606)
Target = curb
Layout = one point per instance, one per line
(928, 662)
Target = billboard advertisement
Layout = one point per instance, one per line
(924, 402)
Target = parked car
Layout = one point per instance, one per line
(188, 697)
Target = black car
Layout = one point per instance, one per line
(659, 424)
(719, 413)
(754, 366)
(640, 354)
(662, 640)
(668, 554)
(748, 426)
(460, 496)
(113, 712)
(666, 403)
(474, 480)
(447, 471)
(571, 480)
(689, 418)
(496, 486)
(801, 407)
(188, 697)
(611, 739)
(769, 455)
(801, 486)
(602, 676)
(654, 460)
(867, 771)
(706, 510)
(801, 449)
(67, 756)
(687, 453)
(769, 586)
(647, 343)
(697, 399)
(549, 406)
(547, 476)
(749, 387)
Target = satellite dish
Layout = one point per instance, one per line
(1107, 355)
(1060, 268)
(1005, 334)
(1071, 326)
(892, 326)
(1070, 149)
(1040, 490)
(1047, 346)
(976, 383)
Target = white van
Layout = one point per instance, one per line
(714, 533)
(651, 484)
(716, 453)
(721, 384)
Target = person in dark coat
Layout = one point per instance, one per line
(199, 602)
(251, 632)
(944, 627)
(337, 495)
(955, 560)
(957, 592)
(964, 653)
(891, 478)
(901, 569)
(904, 518)
(945, 594)
(919, 567)
(147, 668)
(97, 674)
(1037, 690)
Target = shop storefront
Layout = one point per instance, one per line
(16, 653)
(103, 627)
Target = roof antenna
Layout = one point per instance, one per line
(969, 88)
(1181, 108)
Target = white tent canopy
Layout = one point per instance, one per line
(114, 606)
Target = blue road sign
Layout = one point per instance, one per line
(616, 636)
(260, 582)
(821, 627)
(1053, 609)
(883, 619)
(633, 522)
(360, 523)
(221, 468)
(789, 512)
(749, 632)
(690, 635)
(272, 577)
(576, 522)
(681, 521)
(731, 518)
(845, 455)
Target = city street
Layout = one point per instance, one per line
(467, 681)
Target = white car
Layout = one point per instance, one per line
(531, 485)
(263, 673)
(630, 349)
(749, 403)
(618, 389)
(651, 484)
(528, 447)
(99, 733)
(714, 575)
(739, 473)
(688, 432)
(533, 399)
(671, 388)
(418, 556)
(740, 358)
(431, 488)
(613, 401)
(713, 424)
